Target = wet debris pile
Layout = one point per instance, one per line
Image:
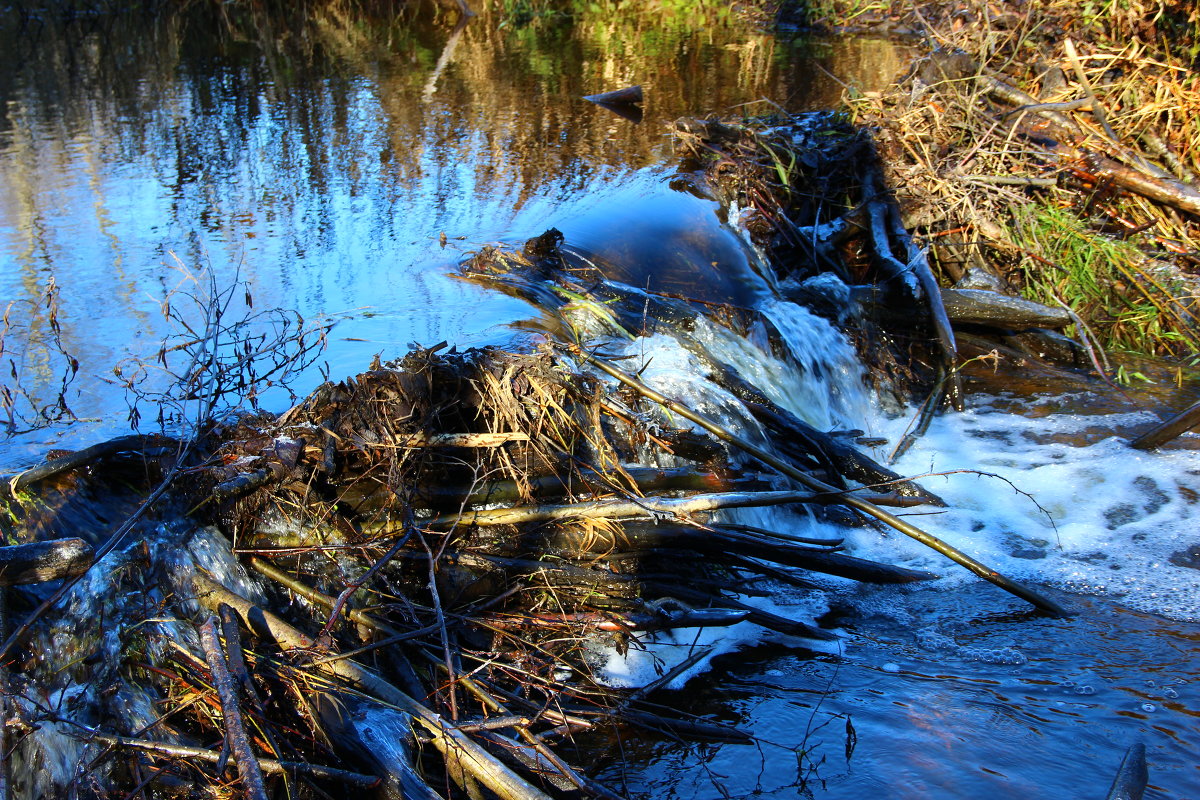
(410, 580)
(413, 579)
(416, 579)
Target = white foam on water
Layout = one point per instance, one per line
(1099, 518)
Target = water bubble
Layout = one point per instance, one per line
(890, 667)
(1149, 708)
(1084, 690)
(1151, 683)
(775, 673)
(1171, 694)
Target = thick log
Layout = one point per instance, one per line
(981, 307)
(44, 561)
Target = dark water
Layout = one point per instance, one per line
(320, 153)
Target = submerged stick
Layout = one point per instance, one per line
(235, 731)
(927, 539)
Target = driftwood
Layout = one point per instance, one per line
(38, 562)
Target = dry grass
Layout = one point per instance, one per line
(957, 160)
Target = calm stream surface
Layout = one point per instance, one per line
(323, 158)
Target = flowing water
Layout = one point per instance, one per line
(321, 155)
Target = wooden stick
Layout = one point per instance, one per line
(1164, 432)
(235, 731)
(451, 742)
(268, 764)
(980, 569)
(642, 507)
(38, 562)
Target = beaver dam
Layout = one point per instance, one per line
(475, 573)
(673, 458)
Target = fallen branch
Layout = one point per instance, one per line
(268, 764)
(235, 731)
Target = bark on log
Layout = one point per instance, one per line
(44, 561)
